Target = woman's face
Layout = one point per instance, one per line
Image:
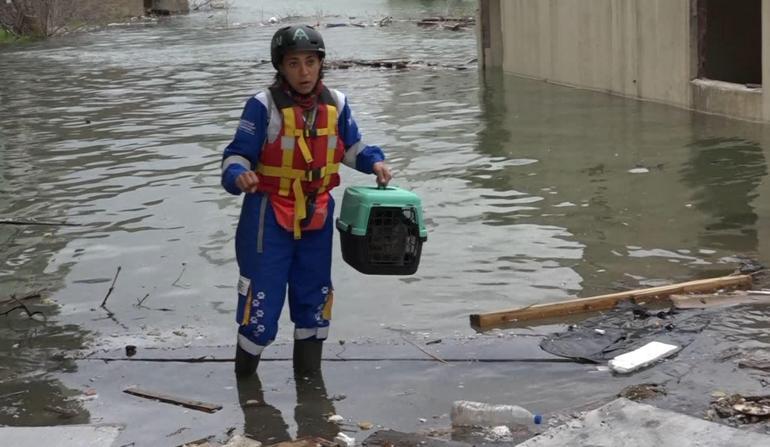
(301, 70)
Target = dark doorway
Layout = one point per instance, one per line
(730, 40)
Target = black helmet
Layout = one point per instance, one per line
(295, 38)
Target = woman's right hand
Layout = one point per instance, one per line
(247, 182)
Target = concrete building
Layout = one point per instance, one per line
(134, 8)
(165, 7)
(705, 55)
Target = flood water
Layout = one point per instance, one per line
(532, 192)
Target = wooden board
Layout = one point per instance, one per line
(167, 398)
(707, 301)
(306, 442)
(605, 302)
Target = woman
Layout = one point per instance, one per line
(285, 156)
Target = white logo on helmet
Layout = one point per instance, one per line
(300, 34)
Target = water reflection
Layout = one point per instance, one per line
(32, 351)
(631, 183)
(532, 192)
(262, 421)
(725, 175)
(265, 423)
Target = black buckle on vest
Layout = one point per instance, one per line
(312, 175)
(311, 133)
(309, 208)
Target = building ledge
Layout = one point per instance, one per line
(727, 86)
(727, 99)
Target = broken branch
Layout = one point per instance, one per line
(435, 357)
(140, 301)
(104, 301)
(184, 267)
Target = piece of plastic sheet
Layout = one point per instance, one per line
(625, 328)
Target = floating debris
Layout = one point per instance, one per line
(451, 24)
(641, 357)
(336, 418)
(344, 440)
(742, 409)
(642, 391)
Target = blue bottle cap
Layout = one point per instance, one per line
(538, 419)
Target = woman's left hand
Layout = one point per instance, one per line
(382, 171)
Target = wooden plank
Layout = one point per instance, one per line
(167, 398)
(605, 302)
(13, 299)
(701, 301)
(306, 442)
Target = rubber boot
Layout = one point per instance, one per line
(307, 357)
(245, 363)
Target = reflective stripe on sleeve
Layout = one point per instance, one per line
(236, 160)
(351, 154)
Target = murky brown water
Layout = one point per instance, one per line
(532, 192)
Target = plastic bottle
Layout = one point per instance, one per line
(467, 413)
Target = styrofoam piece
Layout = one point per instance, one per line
(641, 357)
(336, 418)
(344, 440)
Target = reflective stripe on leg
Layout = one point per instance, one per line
(318, 333)
(249, 346)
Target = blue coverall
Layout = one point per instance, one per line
(269, 258)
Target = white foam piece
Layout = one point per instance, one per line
(641, 357)
(344, 440)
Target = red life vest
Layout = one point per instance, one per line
(299, 168)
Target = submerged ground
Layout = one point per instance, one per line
(532, 193)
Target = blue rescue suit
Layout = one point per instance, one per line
(269, 257)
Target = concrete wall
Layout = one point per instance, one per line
(123, 8)
(168, 6)
(645, 49)
(490, 36)
(602, 45)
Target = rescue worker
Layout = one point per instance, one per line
(285, 157)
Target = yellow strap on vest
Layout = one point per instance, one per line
(296, 174)
(303, 147)
(331, 129)
(331, 121)
(300, 210)
(292, 178)
(319, 132)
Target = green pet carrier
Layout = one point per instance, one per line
(381, 230)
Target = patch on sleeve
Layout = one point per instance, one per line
(243, 285)
(247, 126)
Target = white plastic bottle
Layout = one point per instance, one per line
(467, 413)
